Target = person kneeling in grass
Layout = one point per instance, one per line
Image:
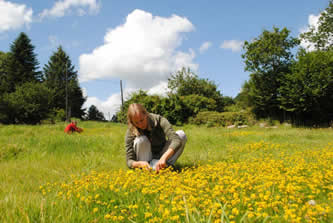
(72, 127)
(150, 140)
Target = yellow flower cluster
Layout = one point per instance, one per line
(242, 133)
(294, 187)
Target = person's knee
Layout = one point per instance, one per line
(142, 143)
(183, 139)
(182, 135)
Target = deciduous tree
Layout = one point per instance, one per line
(185, 82)
(268, 58)
(307, 91)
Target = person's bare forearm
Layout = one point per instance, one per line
(162, 163)
(167, 155)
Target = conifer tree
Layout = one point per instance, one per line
(58, 73)
(95, 114)
(23, 64)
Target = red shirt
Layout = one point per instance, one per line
(71, 127)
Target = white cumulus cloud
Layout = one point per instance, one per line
(80, 7)
(111, 105)
(14, 16)
(234, 45)
(142, 51)
(161, 89)
(205, 46)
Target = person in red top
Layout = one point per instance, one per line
(70, 128)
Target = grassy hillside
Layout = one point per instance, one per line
(36, 160)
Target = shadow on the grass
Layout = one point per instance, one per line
(179, 167)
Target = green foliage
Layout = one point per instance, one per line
(195, 103)
(94, 114)
(322, 36)
(58, 73)
(307, 92)
(228, 101)
(268, 58)
(223, 118)
(29, 103)
(60, 115)
(176, 111)
(233, 108)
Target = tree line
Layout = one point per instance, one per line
(28, 95)
(188, 95)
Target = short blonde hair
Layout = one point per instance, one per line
(134, 109)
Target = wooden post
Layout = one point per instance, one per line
(121, 93)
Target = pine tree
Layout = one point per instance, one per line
(23, 64)
(57, 72)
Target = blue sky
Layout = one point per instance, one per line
(143, 41)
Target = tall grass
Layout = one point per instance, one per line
(31, 156)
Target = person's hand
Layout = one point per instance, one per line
(160, 165)
(144, 165)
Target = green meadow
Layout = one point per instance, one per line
(33, 156)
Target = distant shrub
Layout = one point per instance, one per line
(211, 119)
(28, 104)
